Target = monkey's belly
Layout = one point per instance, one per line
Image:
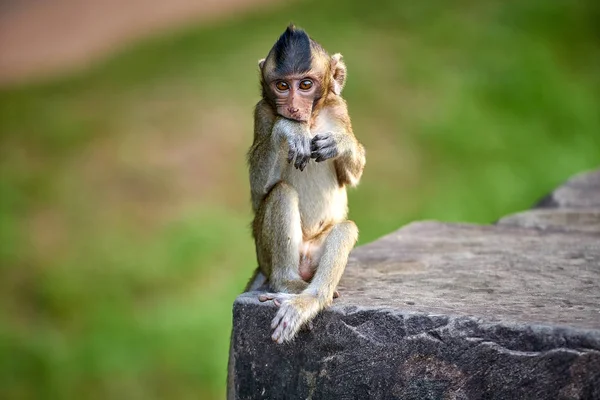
(322, 202)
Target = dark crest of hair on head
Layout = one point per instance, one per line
(292, 51)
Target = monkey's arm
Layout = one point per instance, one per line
(341, 145)
(272, 134)
(351, 162)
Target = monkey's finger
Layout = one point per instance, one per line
(304, 162)
(298, 146)
(276, 336)
(301, 160)
(298, 151)
(277, 319)
(305, 152)
(266, 297)
(324, 149)
(280, 318)
(290, 325)
(336, 294)
(320, 136)
(279, 334)
(323, 157)
(325, 154)
(306, 144)
(309, 326)
(298, 162)
(291, 152)
(317, 144)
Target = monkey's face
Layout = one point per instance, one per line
(294, 96)
(295, 75)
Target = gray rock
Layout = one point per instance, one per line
(447, 311)
(581, 191)
(583, 220)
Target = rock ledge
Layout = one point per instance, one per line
(448, 311)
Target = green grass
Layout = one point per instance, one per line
(124, 202)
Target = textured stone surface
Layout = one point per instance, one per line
(448, 311)
(585, 220)
(581, 191)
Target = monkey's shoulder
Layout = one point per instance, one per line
(264, 119)
(335, 113)
(334, 101)
(329, 119)
(263, 113)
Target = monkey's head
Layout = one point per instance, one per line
(298, 75)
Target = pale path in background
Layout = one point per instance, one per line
(45, 38)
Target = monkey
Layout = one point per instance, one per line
(303, 156)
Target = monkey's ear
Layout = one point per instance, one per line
(338, 69)
(261, 63)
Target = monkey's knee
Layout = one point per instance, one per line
(348, 231)
(284, 285)
(282, 196)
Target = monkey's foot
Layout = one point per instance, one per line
(295, 310)
(308, 326)
(277, 298)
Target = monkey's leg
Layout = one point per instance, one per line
(296, 310)
(278, 237)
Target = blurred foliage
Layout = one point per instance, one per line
(124, 201)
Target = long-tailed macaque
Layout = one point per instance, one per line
(303, 156)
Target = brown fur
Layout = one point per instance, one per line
(300, 164)
(299, 170)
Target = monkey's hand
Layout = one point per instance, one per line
(323, 146)
(299, 150)
(297, 136)
(295, 310)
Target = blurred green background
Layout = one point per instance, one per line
(124, 201)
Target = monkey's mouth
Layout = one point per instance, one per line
(298, 116)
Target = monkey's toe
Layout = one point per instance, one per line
(286, 324)
(309, 326)
(266, 297)
(277, 298)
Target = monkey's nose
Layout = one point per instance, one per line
(293, 110)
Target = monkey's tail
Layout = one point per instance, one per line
(257, 280)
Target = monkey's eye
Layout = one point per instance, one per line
(281, 85)
(306, 84)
